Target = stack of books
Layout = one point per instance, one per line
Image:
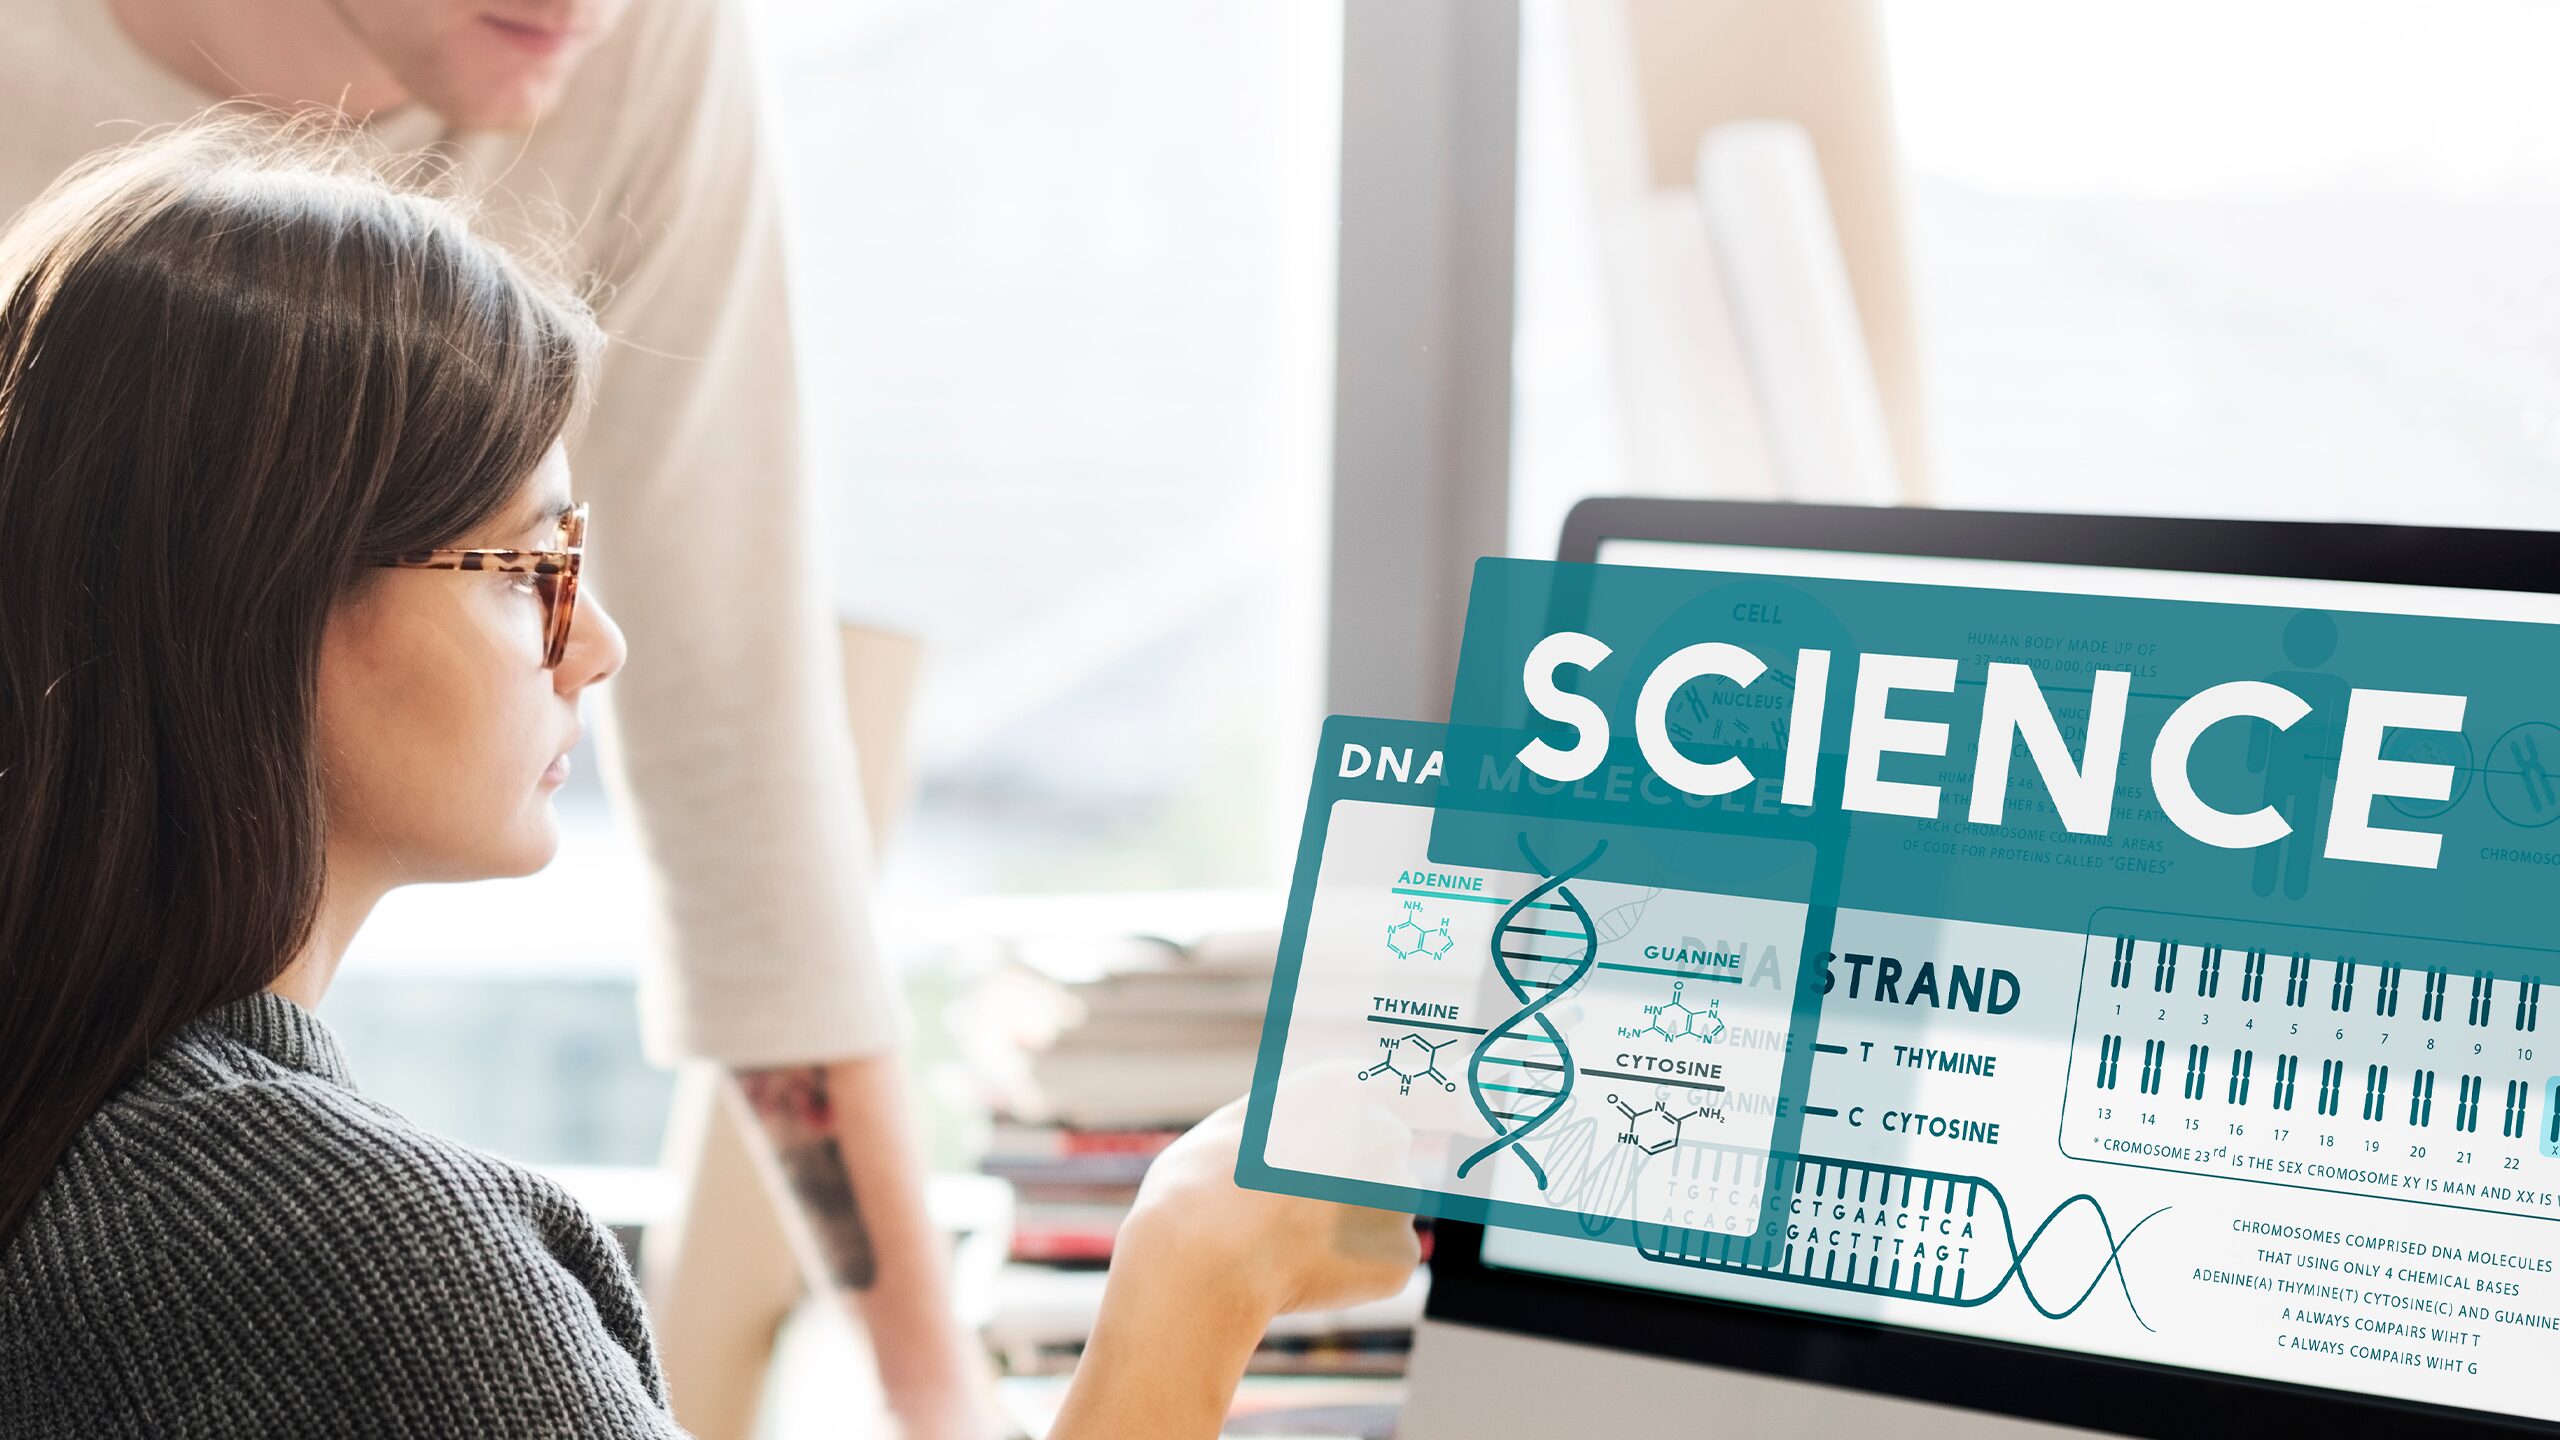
(1104, 1036)
(1071, 1186)
(1095, 1055)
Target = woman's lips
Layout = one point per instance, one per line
(558, 773)
(532, 39)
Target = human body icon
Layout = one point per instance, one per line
(2297, 762)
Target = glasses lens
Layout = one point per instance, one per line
(559, 605)
(560, 592)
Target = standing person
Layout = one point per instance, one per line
(637, 120)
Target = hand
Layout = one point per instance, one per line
(1273, 1253)
(1202, 1265)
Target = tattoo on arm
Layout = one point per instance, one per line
(796, 1112)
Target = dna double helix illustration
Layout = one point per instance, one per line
(1521, 1073)
(1922, 1202)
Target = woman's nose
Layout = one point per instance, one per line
(595, 649)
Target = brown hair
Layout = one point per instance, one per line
(240, 362)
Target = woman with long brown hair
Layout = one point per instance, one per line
(290, 615)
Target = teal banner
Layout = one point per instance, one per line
(2253, 767)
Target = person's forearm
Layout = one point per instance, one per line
(1163, 1361)
(848, 1157)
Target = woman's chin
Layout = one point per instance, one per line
(533, 846)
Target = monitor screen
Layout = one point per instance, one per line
(2398, 1242)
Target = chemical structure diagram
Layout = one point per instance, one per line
(1411, 1058)
(1674, 1019)
(1655, 1130)
(1409, 939)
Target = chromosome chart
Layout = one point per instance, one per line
(2385, 1066)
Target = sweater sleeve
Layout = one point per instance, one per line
(382, 1282)
(725, 735)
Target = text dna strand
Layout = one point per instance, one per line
(1922, 1235)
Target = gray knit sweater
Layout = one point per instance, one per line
(239, 1243)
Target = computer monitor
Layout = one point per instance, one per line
(2284, 1309)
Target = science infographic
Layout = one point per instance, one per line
(2155, 978)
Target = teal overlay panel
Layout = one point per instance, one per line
(2491, 886)
(1552, 1040)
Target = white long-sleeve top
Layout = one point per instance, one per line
(724, 737)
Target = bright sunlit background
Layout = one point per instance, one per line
(2272, 258)
(1068, 311)
(2297, 259)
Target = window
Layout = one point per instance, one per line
(1067, 283)
(2263, 257)
(2270, 257)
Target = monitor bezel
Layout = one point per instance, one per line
(1998, 1377)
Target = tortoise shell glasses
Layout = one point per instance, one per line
(555, 573)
